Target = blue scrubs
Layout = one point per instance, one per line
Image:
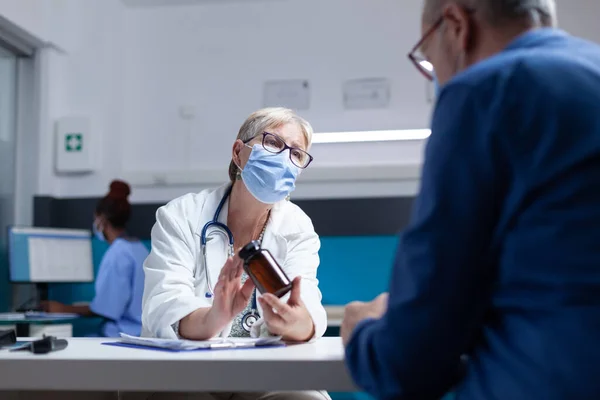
(119, 288)
(501, 260)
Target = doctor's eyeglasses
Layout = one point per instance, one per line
(274, 144)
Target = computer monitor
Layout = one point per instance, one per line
(47, 255)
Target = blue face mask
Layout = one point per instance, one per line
(98, 233)
(269, 177)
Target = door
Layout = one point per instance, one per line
(8, 114)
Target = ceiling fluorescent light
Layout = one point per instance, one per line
(371, 136)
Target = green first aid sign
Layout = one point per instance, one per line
(73, 142)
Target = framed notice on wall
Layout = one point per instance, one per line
(369, 93)
(294, 94)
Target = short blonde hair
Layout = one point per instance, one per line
(273, 117)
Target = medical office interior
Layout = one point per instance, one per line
(153, 92)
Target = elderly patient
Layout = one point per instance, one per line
(500, 261)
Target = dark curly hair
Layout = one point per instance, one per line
(115, 207)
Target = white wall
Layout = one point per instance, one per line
(579, 17)
(39, 18)
(90, 82)
(216, 57)
(84, 80)
(131, 68)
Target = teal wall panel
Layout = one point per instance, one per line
(352, 268)
(355, 267)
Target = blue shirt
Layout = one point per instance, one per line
(501, 259)
(119, 288)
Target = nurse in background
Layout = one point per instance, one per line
(120, 280)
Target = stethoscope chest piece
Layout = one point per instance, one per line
(249, 319)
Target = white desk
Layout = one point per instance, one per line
(87, 365)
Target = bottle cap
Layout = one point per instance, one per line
(249, 250)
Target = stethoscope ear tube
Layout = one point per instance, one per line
(220, 228)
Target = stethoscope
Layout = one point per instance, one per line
(252, 316)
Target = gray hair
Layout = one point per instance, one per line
(499, 12)
(261, 120)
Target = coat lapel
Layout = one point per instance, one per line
(273, 241)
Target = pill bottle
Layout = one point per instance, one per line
(265, 272)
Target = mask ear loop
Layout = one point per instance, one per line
(238, 175)
(97, 224)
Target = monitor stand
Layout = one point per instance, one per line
(42, 292)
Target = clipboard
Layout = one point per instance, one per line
(179, 345)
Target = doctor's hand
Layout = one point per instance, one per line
(231, 297)
(290, 320)
(358, 311)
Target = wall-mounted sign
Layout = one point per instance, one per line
(294, 94)
(360, 94)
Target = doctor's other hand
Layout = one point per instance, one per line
(231, 297)
(54, 307)
(358, 311)
(290, 320)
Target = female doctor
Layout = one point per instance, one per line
(198, 292)
(195, 287)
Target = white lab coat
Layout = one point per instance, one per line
(173, 289)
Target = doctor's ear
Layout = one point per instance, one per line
(236, 150)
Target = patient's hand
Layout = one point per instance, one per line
(358, 311)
